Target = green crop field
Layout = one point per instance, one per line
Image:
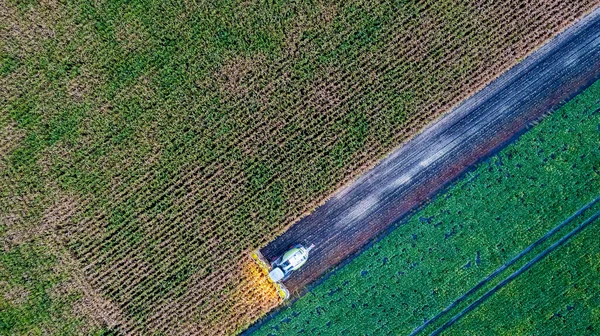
(147, 146)
(470, 230)
(560, 295)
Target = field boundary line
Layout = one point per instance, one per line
(518, 272)
(506, 265)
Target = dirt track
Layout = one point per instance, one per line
(486, 122)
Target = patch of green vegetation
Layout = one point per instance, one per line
(557, 295)
(353, 130)
(466, 233)
(23, 111)
(8, 64)
(30, 301)
(64, 126)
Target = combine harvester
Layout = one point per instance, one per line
(282, 267)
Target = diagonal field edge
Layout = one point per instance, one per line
(319, 227)
(533, 64)
(506, 265)
(518, 272)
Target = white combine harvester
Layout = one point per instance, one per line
(282, 267)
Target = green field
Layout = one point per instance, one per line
(31, 301)
(471, 229)
(147, 146)
(558, 296)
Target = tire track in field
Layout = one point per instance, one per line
(506, 265)
(483, 124)
(518, 272)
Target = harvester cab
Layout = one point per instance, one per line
(283, 266)
(290, 261)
